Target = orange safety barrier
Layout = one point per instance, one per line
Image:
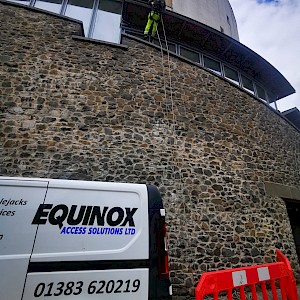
(234, 281)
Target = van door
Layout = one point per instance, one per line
(159, 278)
(19, 200)
(92, 243)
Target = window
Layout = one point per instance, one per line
(171, 46)
(191, 55)
(247, 84)
(135, 33)
(274, 105)
(261, 92)
(231, 74)
(50, 5)
(112, 6)
(212, 65)
(228, 21)
(108, 19)
(81, 10)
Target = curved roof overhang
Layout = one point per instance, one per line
(186, 31)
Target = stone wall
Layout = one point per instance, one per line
(75, 109)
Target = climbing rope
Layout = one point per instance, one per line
(172, 124)
(173, 130)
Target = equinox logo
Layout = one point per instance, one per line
(85, 215)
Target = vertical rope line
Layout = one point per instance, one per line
(175, 148)
(163, 65)
(173, 151)
(170, 78)
(174, 121)
(165, 86)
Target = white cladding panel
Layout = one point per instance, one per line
(214, 13)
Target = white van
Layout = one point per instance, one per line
(69, 239)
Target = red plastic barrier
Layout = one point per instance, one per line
(278, 274)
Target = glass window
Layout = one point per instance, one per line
(191, 55)
(231, 74)
(81, 10)
(108, 19)
(134, 33)
(247, 84)
(261, 92)
(212, 65)
(228, 21)
(171, 46)
(49, 5)
(273, 104)
(113, 6)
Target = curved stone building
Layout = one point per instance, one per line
(217, 14)
(197, 121)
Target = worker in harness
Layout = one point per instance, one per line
(157, 8)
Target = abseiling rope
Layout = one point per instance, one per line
(175, 148)
(173, 131)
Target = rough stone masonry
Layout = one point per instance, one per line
(76, 109)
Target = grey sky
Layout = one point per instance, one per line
(273, 31)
